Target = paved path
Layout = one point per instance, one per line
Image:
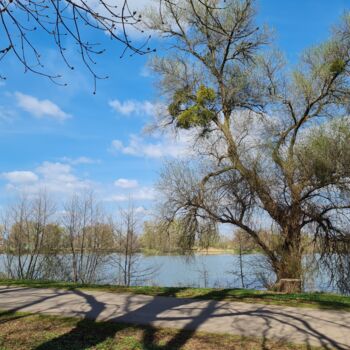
(328, 329)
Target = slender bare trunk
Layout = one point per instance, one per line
(241, 262)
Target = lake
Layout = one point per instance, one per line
(199, 270)
(219, 270)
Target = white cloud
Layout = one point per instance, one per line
(126, 183)
(40, 108)
(59, 177)
(165, 146)
(133, 107)
(54, 177)
(56, 171)
(141, 211)
(20, 177)
(145, 193)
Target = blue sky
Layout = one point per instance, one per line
(67, 139)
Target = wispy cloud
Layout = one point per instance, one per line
(166, 146)
(6, 114)
(80, 160)
(40, 108)
(134, 107)
(126, 183)
(141, 194)
(145, 72)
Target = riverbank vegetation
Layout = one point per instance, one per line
(315, 300)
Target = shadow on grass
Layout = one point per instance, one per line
(85, 335)
(8, 316)
(89, 334)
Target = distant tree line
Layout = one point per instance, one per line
(34, 226)
(163, 237)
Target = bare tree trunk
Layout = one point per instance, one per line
(241, 262)
(290, 271)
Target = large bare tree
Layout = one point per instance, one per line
(25, 23)
(272, 140)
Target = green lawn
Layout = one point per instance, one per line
(19, 331)
(314, 300)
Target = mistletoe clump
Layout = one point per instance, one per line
(193, 110)
(337, 66)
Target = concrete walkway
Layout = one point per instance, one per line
(328, 329)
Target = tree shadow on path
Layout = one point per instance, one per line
(89, 334)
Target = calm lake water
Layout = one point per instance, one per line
(221, 271)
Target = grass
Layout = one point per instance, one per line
(311, 300)
(20, 331)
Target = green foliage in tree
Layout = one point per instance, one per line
(325, 155)
(337, 66)
(191, 111)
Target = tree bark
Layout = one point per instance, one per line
(290, 271)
